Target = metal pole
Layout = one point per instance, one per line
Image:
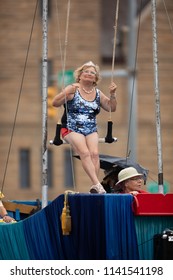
(44, 104)
(132, 80)
(157, 97)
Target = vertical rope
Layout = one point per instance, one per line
(170, 24)
(133, 81)
(114, 47)
(66, 43)
(63, 61)
(20, 93)
(61, 56)
(115, 36)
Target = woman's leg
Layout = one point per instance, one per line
(81, 147)
(92, 144)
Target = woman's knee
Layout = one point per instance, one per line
(84, 154)
(88, 154)
(94, 155)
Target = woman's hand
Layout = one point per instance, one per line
(134, 192)
(112, 88)
(71, 89)
(8, 219)
(66, 94)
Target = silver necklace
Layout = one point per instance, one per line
(88, 91)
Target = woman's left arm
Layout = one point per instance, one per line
(109, 103)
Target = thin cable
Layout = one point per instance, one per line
(114, 47)
(63, 62)
(63, 83)
(65, 47)
(18, 101)
(115, 37)
(168, 17)
(59, 35)
(61, 55)
(131, 103)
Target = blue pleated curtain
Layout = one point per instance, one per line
(103, 227)
(146, 228)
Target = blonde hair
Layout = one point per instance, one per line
(79, 70)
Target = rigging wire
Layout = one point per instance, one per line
(170, 24)
(133, 85)
(114, 46)
(127, 151)
(59, 34)
(63, 62)
(65, 47)
(109, 138)
(115, 37)
(18, 101)
(171, 28)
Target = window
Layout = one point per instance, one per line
(24, 165)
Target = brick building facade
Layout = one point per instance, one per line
(21, 100)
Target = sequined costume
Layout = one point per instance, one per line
(81, 114)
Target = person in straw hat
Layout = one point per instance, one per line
(82, 102)
(129, 181)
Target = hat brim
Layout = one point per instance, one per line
(128, 177)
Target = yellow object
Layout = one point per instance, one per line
(1, 195)
(65, 216)
(66, 221)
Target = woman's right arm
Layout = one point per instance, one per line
(66, 94)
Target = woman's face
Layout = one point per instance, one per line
(88, 74)
(134, 184)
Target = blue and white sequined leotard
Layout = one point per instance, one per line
(81, 115)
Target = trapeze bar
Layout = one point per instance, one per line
(108, 139)
(101, 140)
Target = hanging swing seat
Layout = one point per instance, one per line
(108, 139)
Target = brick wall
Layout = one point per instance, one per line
(24, 100)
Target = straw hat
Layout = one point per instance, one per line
(127, 173)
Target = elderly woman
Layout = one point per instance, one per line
(82, 102)
(129, 181)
